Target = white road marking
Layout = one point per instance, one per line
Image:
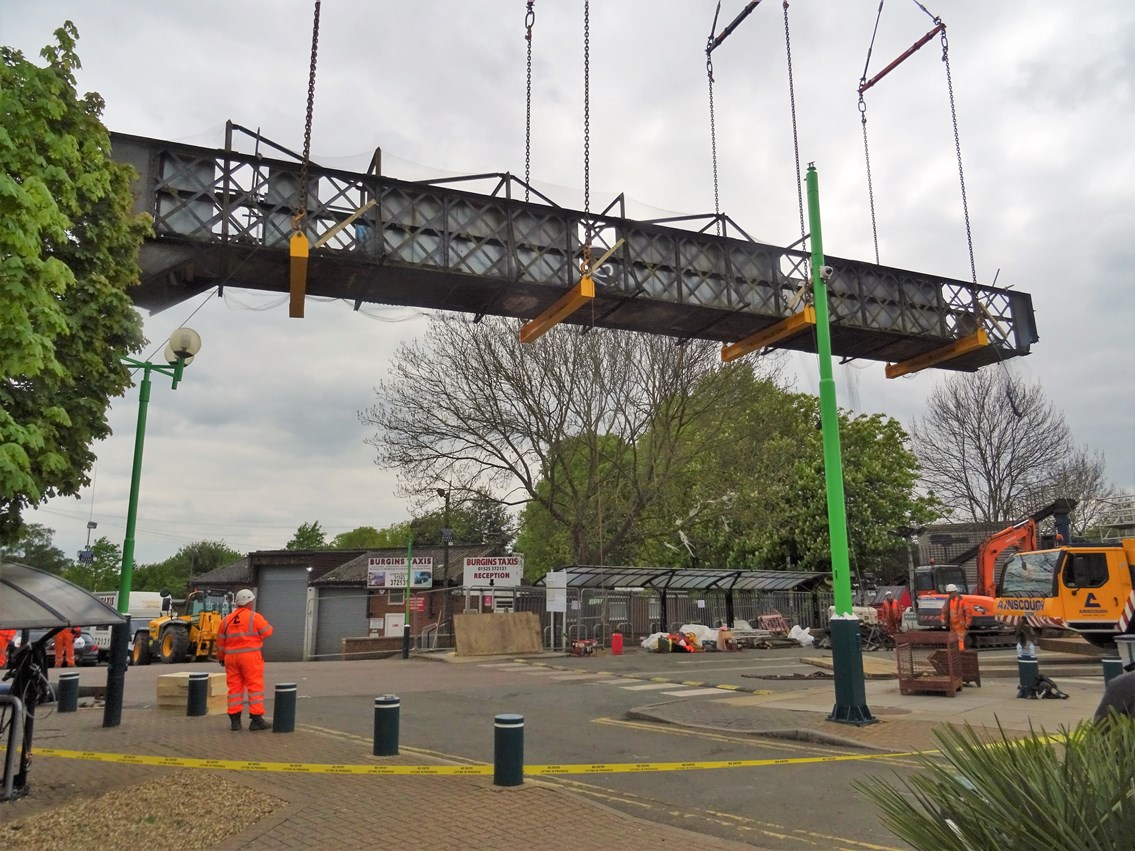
(650, 687)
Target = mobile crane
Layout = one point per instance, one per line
(987, 627)
(1087, 588)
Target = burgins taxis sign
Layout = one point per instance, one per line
(493, 571)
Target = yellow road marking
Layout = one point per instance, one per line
(449, 770)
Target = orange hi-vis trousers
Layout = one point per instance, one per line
(64, 648)
(245, 672)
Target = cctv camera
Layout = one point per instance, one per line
(826, 273)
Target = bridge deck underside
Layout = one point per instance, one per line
(225, 218)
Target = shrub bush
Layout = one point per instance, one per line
(1071, 791)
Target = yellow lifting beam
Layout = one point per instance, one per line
(297, 273)
(782, 330)
(956, 349)
(565, 306)
(569, 302)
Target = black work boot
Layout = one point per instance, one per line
(234, 721)
(257, 722)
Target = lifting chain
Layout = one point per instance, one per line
(863, 121)
(870, 185)
(586, 262)
(713, 134)
(300, 221)
(529, 20)
(958, 148)
(795, 133)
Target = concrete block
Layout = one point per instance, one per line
(173, 693)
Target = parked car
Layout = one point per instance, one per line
(86, 651)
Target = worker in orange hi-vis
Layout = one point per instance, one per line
(65, 647)
(957, 618)
(239, 641)
(6, 638)
(892, 613)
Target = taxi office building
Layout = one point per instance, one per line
(316, 600)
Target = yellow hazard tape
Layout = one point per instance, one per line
(447, 770)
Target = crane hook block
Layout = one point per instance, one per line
(297, 273)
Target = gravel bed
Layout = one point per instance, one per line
(179, 810)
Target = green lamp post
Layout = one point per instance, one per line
(847, 655)
(183, 344)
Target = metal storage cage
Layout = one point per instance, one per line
(928, 661)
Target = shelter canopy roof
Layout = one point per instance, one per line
(688, 578)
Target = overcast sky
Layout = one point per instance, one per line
(263, 434)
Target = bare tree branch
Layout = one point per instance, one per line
(993, 449)
(470, 405)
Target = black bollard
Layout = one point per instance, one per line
(197, 703)
(1112, 668)
(508, 750)
(284, 710)
(68, 696)
(1027, 671)
(386, 712)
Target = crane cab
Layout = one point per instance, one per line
(1088, 589)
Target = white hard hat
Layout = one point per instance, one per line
(950, 589)
(889, 594)
(244, 597)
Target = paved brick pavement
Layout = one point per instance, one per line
(328, 811)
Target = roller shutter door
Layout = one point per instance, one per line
(282, 598)
(342, 613)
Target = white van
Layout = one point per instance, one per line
(143, 606)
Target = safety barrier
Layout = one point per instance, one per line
(427, 639)
(577, 632)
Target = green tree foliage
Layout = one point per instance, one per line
(33, 545)
(1030, 795)
(104, 571)
(68, 253)
(177, 572)
(755, 496)
(764, 503)
(362, 538)
(309, 536)
(588, 482)
(478, 519)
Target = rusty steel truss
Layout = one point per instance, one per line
(223, 217)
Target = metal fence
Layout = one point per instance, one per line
(597, 613)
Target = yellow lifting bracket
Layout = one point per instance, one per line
(565, 306)
(299, 247)
(297, 273)
(979, 339)
(568, 303)
(782, 330)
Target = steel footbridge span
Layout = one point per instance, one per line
(223, 217)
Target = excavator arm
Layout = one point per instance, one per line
(1020, 536)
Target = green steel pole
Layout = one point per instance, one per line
(116, 667)
(126, 580)
(847, 655)
(829, 413)
(120, 638)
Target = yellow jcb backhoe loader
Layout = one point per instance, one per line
(191, 636)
